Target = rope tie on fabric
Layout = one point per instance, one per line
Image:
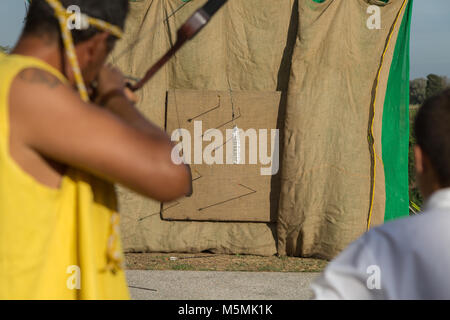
(114, 256)
(63, 16)
(60, 14)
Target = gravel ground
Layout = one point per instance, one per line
(206, 285)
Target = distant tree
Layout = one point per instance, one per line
(435, 84)
(418, 91)
(4, 49)
(447, 82)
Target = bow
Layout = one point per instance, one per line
(184, 34)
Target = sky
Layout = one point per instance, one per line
(430, 33)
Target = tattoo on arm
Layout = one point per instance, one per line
(38, 76)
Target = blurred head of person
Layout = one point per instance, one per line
(92, 45)
(432, 151)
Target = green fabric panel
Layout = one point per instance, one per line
(395, 130)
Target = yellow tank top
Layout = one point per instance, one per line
(53, 242)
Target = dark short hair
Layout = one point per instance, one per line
(432, 132)
(41, 19)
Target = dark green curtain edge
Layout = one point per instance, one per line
(395, 129)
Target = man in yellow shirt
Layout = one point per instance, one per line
(60, 154)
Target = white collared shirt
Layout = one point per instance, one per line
(405, 259)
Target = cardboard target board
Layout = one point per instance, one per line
(231, 141)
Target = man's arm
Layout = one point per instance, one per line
(119, 102)
(56, 123)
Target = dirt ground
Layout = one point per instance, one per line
(215, 262)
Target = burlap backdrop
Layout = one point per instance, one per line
(334, 92)
(324, 112)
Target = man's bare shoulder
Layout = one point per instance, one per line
(36, 76)
(35, 92)
(38, 90)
